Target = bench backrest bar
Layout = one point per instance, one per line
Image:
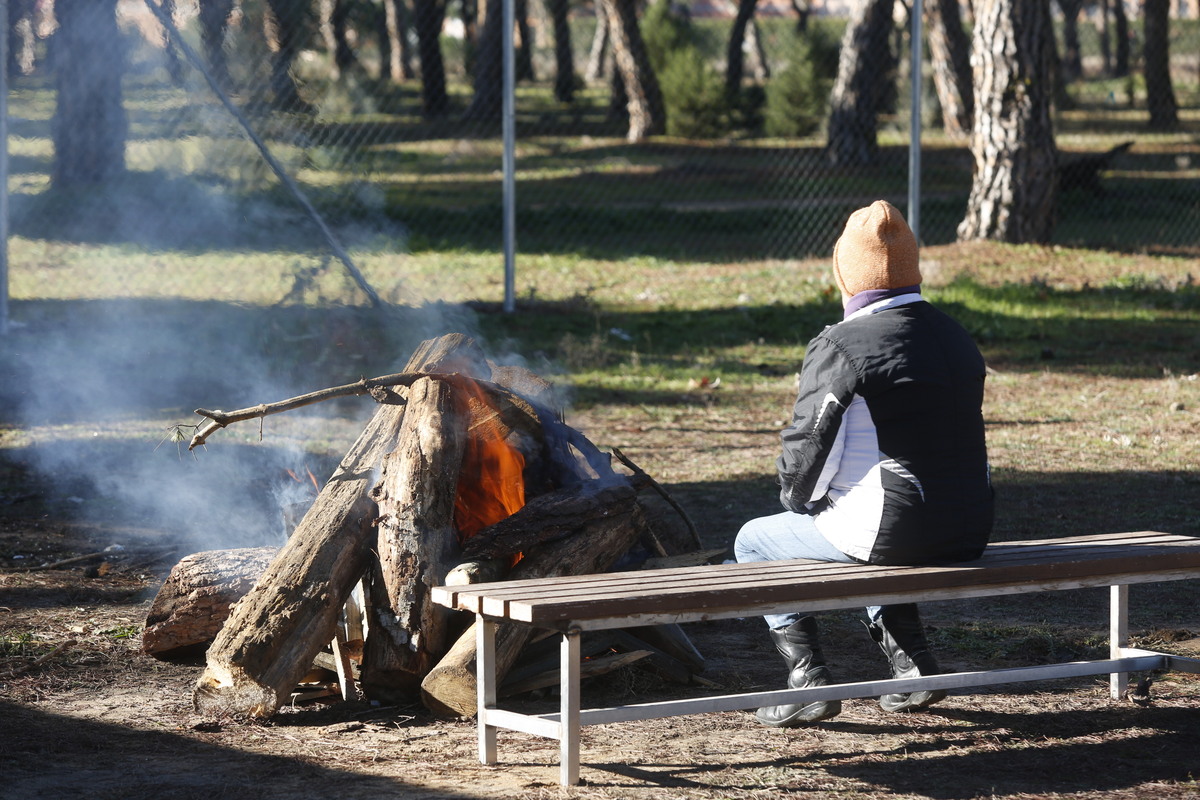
(725, 590)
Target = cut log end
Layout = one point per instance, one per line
(224, 692)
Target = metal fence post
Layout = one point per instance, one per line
(509, 165)
(4, 170)
(914, 144)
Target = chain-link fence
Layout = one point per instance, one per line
(398, 165)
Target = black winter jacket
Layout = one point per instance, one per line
(886, 447)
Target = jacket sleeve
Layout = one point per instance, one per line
(812, 444)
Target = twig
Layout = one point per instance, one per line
(215, 420)
(662, 492)
(37, 662)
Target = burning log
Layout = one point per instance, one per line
(465, 461)
(272, 635)
(193, 603)
(450, 689)
(415, 543)
(549, 517)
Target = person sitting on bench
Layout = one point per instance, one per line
(885, 460)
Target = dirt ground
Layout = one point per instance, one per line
(83, 713)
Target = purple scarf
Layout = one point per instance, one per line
(864, 299)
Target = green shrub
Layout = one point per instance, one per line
(692, 90)
(797, 97)
(694, 96)
(664, 31)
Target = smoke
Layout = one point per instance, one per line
(94, 386)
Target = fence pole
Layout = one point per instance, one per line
(509, 165)
(4, 169)
(914, 143)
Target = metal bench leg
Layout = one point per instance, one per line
(568, 720)
(485, 685)
(1118, 636)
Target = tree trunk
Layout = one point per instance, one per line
(450, 688)
(428, 16)
(1106, 38)
(564, 58)
(647, 115)
(803, 9)
(214, 22)
(598, 55)
(950, 56)
(1072, 56)
(861, 84)
(1160, 96)
(735, 52)
(193, 603)
(89, 127)
(523, 57)
(1014, 190)
(1121, 23)
(289, 20)
(334, 19)
(488, 100)
(395, 52)
(760, 68)
(22, 40)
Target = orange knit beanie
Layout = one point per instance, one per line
(876, 251)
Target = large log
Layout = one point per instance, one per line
(549, 517)
(273, 633)
(416, 542)
(194, 601)
(450, 688)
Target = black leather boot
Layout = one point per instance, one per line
(902, 638)
(801, 650)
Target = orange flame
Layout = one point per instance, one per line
(491, 483)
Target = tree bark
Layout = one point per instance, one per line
(395, 34)
(214, 22)
(487, 100)
(523, 57)
(1160, 95)
(1121, 23)
(950, 56)
(734, 55)
(564, 58)
(1014, 190)
(1072, 56)
(416, 543)
(1106, 38)
(861, 84)
(647, 115)
(450, 688)
(272, 635)
(598, 54)
(194, 601)
(90, 126)
(22, 40)
(289, 21)
(428, 16)
(548, 517)
(334, 21)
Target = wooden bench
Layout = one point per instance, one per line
(580, 603)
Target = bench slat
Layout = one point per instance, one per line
(1049, 564)
(996, 553)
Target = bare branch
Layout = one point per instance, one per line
(215, 420)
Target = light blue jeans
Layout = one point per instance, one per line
(783, 536)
